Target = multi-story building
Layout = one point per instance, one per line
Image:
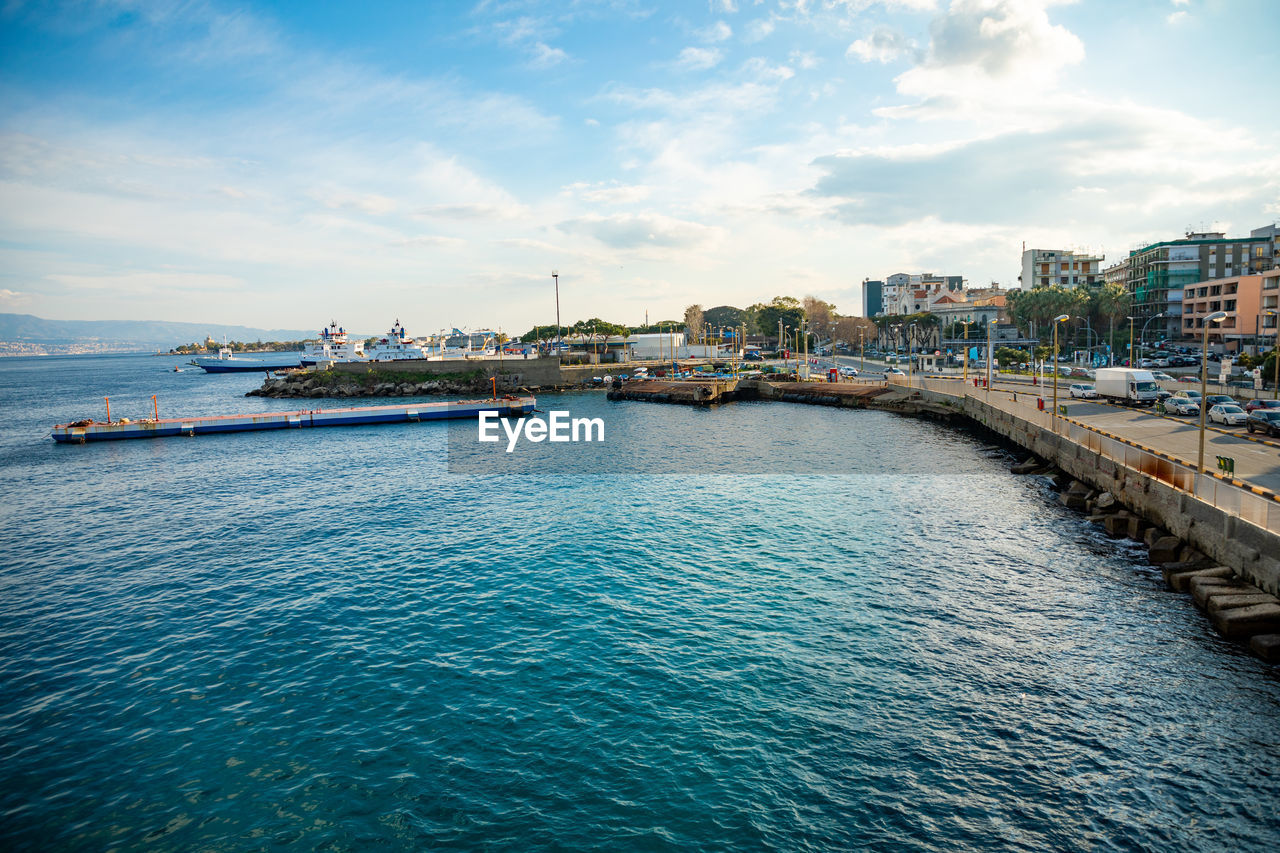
(906, 293)
(1045, 267)
(1240, 297)
(872, 298)
(1159, 274)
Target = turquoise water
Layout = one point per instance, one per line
(871, 636)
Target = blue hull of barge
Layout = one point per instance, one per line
(403, 413)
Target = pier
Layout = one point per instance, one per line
(80, 432)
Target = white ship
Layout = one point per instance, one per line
(333, 346)
(396, 345)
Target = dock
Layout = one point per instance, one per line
(79, 432)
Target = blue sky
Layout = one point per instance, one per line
(284, 164)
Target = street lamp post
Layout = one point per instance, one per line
(1131, 319)
(555, 274)
(964, 356)
(911, 359)
(1216, 317)
(1056, 320)
(1088, 338)
(1275, 388)
(1142, 336)
(990, 352)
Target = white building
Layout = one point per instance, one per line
(1046, 267)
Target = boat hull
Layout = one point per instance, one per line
(354, 416)
(237, 366)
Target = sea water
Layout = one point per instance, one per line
(755, 627)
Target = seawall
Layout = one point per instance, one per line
(1158, 492)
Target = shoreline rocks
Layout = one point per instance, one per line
(1235, 608)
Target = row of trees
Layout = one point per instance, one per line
(819, 318)
(1104, 307)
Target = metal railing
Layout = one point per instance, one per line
(1249, 503)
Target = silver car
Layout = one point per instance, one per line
(1083, 391)
(1227, 415)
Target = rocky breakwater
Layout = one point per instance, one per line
(1237, 609)
(315, 384)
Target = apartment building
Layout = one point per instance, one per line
(1245, 299)
(1159, 274)
(1045, 267)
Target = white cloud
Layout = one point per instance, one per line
(717, 32)
(546, 57)
(1177, 18)
(759, 30)
(609, 193)
(805, 60)
(640, 231)
(699, 58)
(13, 298)
(883, 45)
(760, 69)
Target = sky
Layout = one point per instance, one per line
(281, 165)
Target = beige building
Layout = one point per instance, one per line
(1047, 267)
(1245, 299)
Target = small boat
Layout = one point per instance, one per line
(226, 362)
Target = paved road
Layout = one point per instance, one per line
(1256, 462)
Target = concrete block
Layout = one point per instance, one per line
(1180, 579)
(1202, 588)
(1241, 622)
(1266, 646)
(1227, 602)
(1137, 527)
(1072, 500)
(1026, 467)
(1117, 525)
(1105, 500)
(1164, 550)
(1150, 537)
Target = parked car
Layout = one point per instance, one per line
(1220, 400)
(1084, 391)
(1188, 378)
(893, 371)
(848, 371)
(1227, 414)
(1080, 371)
(1176, 405)
(1188, 394)
(1241, 383)
(1265, 421)
(1261, 404)
(1162, 377)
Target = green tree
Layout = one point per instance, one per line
(784, 309)
(725, 316)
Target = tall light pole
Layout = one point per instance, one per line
(911, 359)
(555, 274)
(862, 350)
(1142, 336)
(990, 351)
(1088, 336)
(1275, 388)
(1216, 317)
(1131, 359)
(1056, 320)
(964, 356)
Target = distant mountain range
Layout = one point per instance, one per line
(24, 333)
